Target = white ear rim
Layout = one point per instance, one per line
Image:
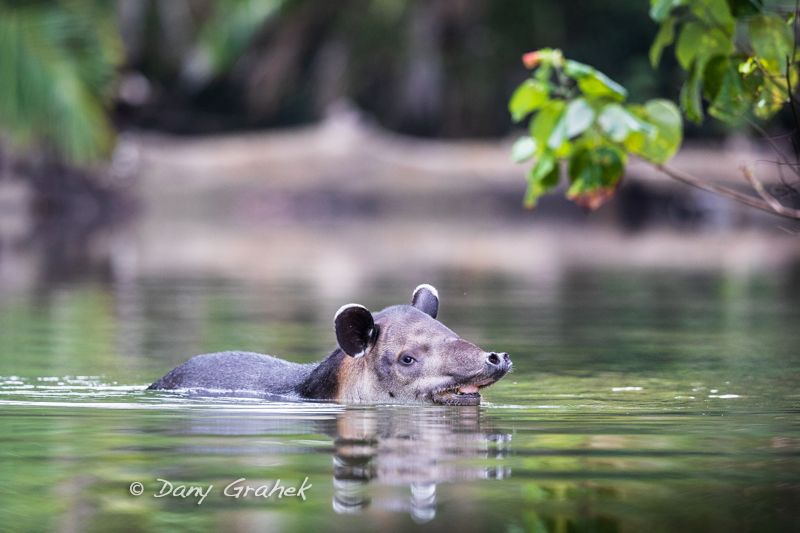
(425, 286)
(347, 306)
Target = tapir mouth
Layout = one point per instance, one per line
(464, 394)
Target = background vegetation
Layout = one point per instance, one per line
(423, 67)
(437, 68)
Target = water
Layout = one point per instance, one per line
(640, 401)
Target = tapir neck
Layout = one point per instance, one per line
(323, 382)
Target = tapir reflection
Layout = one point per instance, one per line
(411, 447)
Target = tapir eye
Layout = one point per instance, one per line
(407, 359)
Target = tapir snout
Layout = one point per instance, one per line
(471, 371)
(498, 364)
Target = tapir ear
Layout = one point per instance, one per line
(354, 329)
(426, 299)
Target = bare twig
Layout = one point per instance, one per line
(745, 199)
(775, 146)
(791, 97)
(762, 192)
(725, 192)
(796, 152)
(786, 135)
(782, 177)
(791, 94)
(778, 164)
(794, 30)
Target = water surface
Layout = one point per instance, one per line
(649, 401)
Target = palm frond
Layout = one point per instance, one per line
(57, 65)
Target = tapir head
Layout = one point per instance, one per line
(403, 354)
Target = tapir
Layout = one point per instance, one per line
(399, 355)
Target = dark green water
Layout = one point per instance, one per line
(639, 402)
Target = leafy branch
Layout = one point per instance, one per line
(580, 117)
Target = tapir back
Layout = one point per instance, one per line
(236, 371)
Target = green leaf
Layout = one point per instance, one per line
(612, 165)
(765, 108)
(576, 69)
(594, 173)
(660, 9)
(593, 82)
(666, 117)
(578, 117)
(772, 94)
(688, 45)
(618, 123)
(713, 76)
(714, 13)
(583, 170)
(699, 41)
(559, 134)
(544, 165)
(543, 73)
(747, 66)
(543, 177)
(772, 42)
(564, 150)
(745, 8)
(600, 85)
(690, 97)
(752, 81)
(590, 168)
(613, 120)
(529, 96)
(724, 89)
(544, 123)
(523, 149)
(664, 38)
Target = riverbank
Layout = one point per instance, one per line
(343, 201)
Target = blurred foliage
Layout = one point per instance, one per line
(228, 30)
(739, 56)
(57, 63)
(424, 67)
(439, 68)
